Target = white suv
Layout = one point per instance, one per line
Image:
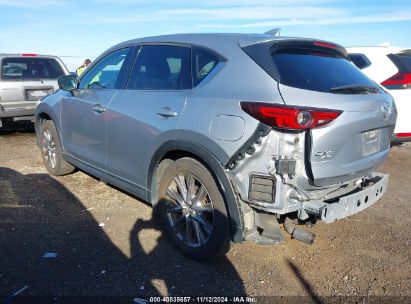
(390, 67)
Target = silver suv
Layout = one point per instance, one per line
(24, 79)
(226, 135)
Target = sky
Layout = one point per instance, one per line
(77, 30)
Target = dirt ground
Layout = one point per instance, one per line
(108, 245)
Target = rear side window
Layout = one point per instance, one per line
(203, 62)
(360, 60)
(161, 67)
(24, 68)
(317, 71)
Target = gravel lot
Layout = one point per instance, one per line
(108, 245)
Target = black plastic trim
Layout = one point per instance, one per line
(307, 157)
(273, 192)
(128, 67)
(262, 130)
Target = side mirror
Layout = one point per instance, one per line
(67, 83)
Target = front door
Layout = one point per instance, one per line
(84, 121)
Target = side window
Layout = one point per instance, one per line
(360, 60)
(161, 67)
(203, 62)
(105, 73)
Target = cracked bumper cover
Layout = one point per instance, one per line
(353, 203)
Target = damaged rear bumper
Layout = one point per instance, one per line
(350, 204)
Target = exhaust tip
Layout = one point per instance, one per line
(298, 233)
(303, 236)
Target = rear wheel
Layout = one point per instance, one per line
(51, 150)
(193, 211)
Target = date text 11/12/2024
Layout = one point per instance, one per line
(198, 299)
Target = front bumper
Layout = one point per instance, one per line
(353, 203)
(12, 114)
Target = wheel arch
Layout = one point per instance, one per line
(173, 150)
(45, 113)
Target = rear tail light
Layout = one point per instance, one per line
(289, 117)
(29, 55)
(399, 135)
(398, 81)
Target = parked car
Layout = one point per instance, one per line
(24, 79)
(226, 135)
(390, 67)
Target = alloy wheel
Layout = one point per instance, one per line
(49, 148)
(190, 210)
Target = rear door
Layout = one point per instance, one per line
(84, 115)
(26, 79)
(358, 140)
(146, 113)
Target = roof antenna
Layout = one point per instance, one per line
(274, 32)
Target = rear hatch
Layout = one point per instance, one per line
(400, 87)
(317, 74)
(26, 79)
(401, 80)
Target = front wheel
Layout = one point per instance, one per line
(51, 150)
(193, 211)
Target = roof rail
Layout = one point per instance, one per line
(274, 32)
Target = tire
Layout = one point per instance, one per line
(51, 150)
(198, 227)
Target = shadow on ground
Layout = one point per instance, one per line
(309, 289)
(17, 127)
(39, 215)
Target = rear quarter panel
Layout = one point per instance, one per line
(238, 79)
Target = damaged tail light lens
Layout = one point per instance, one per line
(290, 117)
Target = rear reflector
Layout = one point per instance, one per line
(399, 135)
(398, 81)
(289, 117)
(325, 44)
(29, 55)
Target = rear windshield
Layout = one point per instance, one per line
(402, 61)
(21, 68)
(317, 71)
